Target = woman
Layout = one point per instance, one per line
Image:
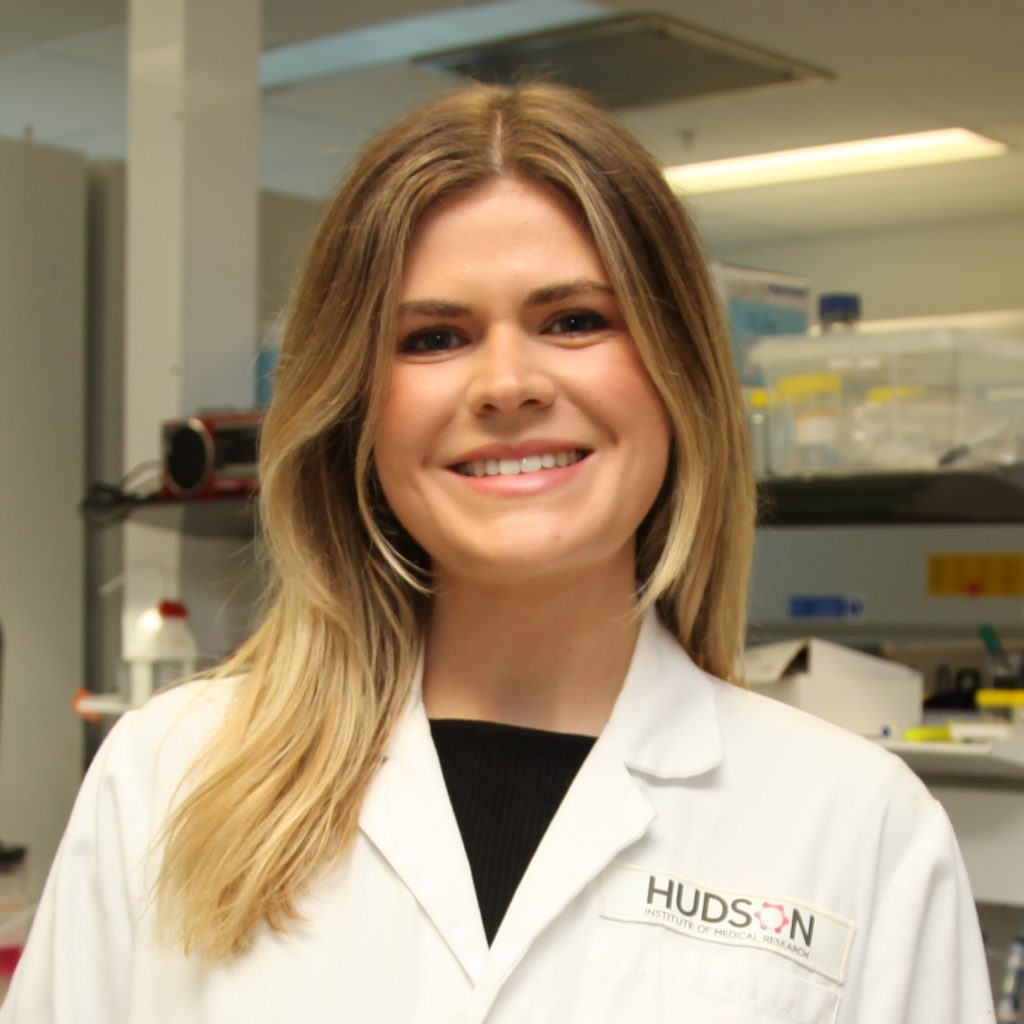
(505, 485)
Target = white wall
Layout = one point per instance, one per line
(955, 267)
(285, 228)
(42, 296)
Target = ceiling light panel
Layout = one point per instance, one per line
(948, 145)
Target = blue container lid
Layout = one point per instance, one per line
(839, 306)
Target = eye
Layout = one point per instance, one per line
(431, 341)
(579, 321)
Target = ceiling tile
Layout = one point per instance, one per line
(365, 97)
(56, 95)
(107, 47)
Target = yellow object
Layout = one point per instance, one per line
(884, 395)
(804, 384)
(999, 698)
(760, 398)
(928, 734)
(976, 575)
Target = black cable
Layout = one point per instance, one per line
(109, 504)
(105, 505)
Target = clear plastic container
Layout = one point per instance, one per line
(906, 400)
(892, 427)
(808, 410)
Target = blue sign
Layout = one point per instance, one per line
(825, 606)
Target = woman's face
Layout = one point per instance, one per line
(521, 434)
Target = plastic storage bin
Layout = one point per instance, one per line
(872, 402)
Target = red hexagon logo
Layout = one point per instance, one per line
(772, 917)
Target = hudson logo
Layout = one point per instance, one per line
(730, 916)
(796, 931)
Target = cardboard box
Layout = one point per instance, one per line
(857, 691)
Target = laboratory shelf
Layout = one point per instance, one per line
(208, 517)
(990, 495)
(986, 759)
(225, 516)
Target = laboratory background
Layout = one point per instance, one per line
(857, 173)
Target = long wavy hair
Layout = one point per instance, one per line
(275, 796)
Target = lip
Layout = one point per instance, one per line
(519, 450)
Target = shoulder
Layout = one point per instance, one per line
(150, 749)
(775, 741)
(178, 717)
(758, 740)
(188, 709)
(829, 803)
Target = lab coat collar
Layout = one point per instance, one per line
(408, 816)
(664, 724)
(665, 721)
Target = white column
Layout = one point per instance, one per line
(193, 175)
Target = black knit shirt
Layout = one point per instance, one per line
(505, 784)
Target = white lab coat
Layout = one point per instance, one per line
(695, 787)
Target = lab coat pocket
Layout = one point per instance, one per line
(634, 973)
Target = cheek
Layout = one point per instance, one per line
(634, 407)
(405, 408)
(412, 421)
(394, 436)
(646, 429)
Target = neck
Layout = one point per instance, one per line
(538, 654)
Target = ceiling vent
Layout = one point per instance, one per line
(629, 61)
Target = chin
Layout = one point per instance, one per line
(519, 565)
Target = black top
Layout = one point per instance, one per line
(505, 784)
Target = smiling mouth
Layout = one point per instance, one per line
(513, 467)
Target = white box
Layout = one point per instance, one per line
(857, 691)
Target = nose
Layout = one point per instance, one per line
(509, 376)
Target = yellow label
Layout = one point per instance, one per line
(976, 575)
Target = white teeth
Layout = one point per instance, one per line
(512, 467)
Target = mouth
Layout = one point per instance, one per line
(515, 467)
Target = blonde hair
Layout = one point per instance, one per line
(276, 795)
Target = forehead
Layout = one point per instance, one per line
(506, 229)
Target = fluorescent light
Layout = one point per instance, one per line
(947, 145)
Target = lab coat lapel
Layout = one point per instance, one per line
(409, 818)
(603, 812)
(664, 724)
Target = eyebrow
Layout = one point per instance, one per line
(538, 297)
